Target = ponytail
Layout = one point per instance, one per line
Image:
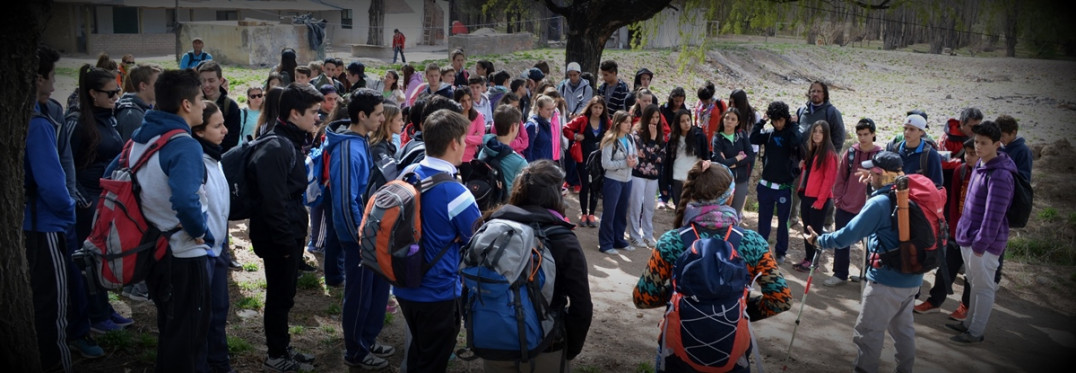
(89, 77)
(702, 185)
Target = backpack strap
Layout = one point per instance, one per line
(153, 148)
(851, 157)
(923, 157)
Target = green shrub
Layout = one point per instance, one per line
(250, 267)
(238, 345)
(309, 281)
(1048, 214)
(334, 309)
(249, 303)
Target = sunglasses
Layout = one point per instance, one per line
(111, 93)
(254, 96)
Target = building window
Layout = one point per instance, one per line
(345, 18)
(170, 16)
(124, 20)
(227, 15)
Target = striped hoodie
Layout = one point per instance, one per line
(983, 225)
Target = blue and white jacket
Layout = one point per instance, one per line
(349, 171)
(173, 184)
(448, 216)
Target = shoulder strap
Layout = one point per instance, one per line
(851, 158)
(153, 148)
(923, 157)
(434, 180)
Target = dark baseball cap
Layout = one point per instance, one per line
(885, 160)
(533, 74)
(356, 68)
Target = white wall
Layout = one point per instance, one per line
(203, 14)
(410, 24)
(154, 21)
(104, 19)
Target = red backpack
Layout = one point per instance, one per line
(122, 245)
(927, 231)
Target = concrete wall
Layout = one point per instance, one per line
(409, 23)
(154, 21)
(64, 27)
(230, 43)
(477, 45)
(138, 44)
(104, 20)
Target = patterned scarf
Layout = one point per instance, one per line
(710, 214)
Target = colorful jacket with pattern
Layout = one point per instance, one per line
(655, 288)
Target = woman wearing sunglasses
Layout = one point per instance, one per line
(250, 114)
(94, 143)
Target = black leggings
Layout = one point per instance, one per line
(588, 199)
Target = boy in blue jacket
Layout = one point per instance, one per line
(1015, 146)
(365, 292)
(449, 212)
(48, 213)
(889, 295)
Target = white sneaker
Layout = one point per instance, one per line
(635, 244)
(833, 281)
(650, 242)
(611, 252)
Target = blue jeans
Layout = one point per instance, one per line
(614, 214)
(333, 259)
(767, 199)
(398, 50)
(365, 296)
(213, 356)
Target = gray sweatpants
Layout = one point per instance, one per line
(885, 308)
(980, 271)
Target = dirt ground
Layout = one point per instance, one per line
(1032, 327)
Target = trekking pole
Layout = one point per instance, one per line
(863, 267)
(803, 301)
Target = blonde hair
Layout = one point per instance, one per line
(540, 102)
(613, 133)
(384, 132)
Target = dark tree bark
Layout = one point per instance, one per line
(591, 23)
(1011, 15)
(20, 35)
(376, 35)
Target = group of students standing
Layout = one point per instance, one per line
(697, 161)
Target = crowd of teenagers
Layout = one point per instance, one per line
(599, 138)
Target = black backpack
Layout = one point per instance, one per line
(595, 170)
(234, 162)
(483, 177)
(1022, 198)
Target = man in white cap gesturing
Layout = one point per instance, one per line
(575, 90)
(919, 156)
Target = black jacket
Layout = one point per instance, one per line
(278, 220)
(233, 119)
(725, 152)
(783, 152)
(571, 285)
(702, 150)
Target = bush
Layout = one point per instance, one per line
(249, 303)
(1048, 214)
(238, 345)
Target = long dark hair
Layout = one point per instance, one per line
(644, 124)
(747, 113)
(702, 185)
(675, 133)
(287, 64)
(407, 70)
(597, 101)
(270, 110)
(94, 78)
(818, 152)
(210, 109)
(395, 84)
(539, 185)
(458, 95)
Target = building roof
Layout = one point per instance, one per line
(297, 5)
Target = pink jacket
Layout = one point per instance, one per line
(474, 137)
(819, 183)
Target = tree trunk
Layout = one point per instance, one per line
(376, 35)
(591, 23)
(21, 35)
(1010, 29)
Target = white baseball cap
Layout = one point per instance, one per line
(916, 121)
(574, 66)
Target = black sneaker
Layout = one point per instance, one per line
(966, 338)
(958, 326)
(299, 356)
(382, 350)
(306, 267)
(369, 362)
(285, 364)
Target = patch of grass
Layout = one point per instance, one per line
(388, 318)
(296, 330)
(238, 345)
(1072, 218)
(1038, 250)
(119, 340)
(328, 329)
(255, 285)
(113, 296)
(334, 309)
(147, 341)
(250, 267)
(148, 356)
(309, 281)
(644, 367)
(1049, 214)
(249, 303)
(753, 206)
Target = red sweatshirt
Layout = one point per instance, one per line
(819, 182)
(848, 193)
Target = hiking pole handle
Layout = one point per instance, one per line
(903, 231)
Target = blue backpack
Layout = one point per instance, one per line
(706, 324)
(508, 274)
